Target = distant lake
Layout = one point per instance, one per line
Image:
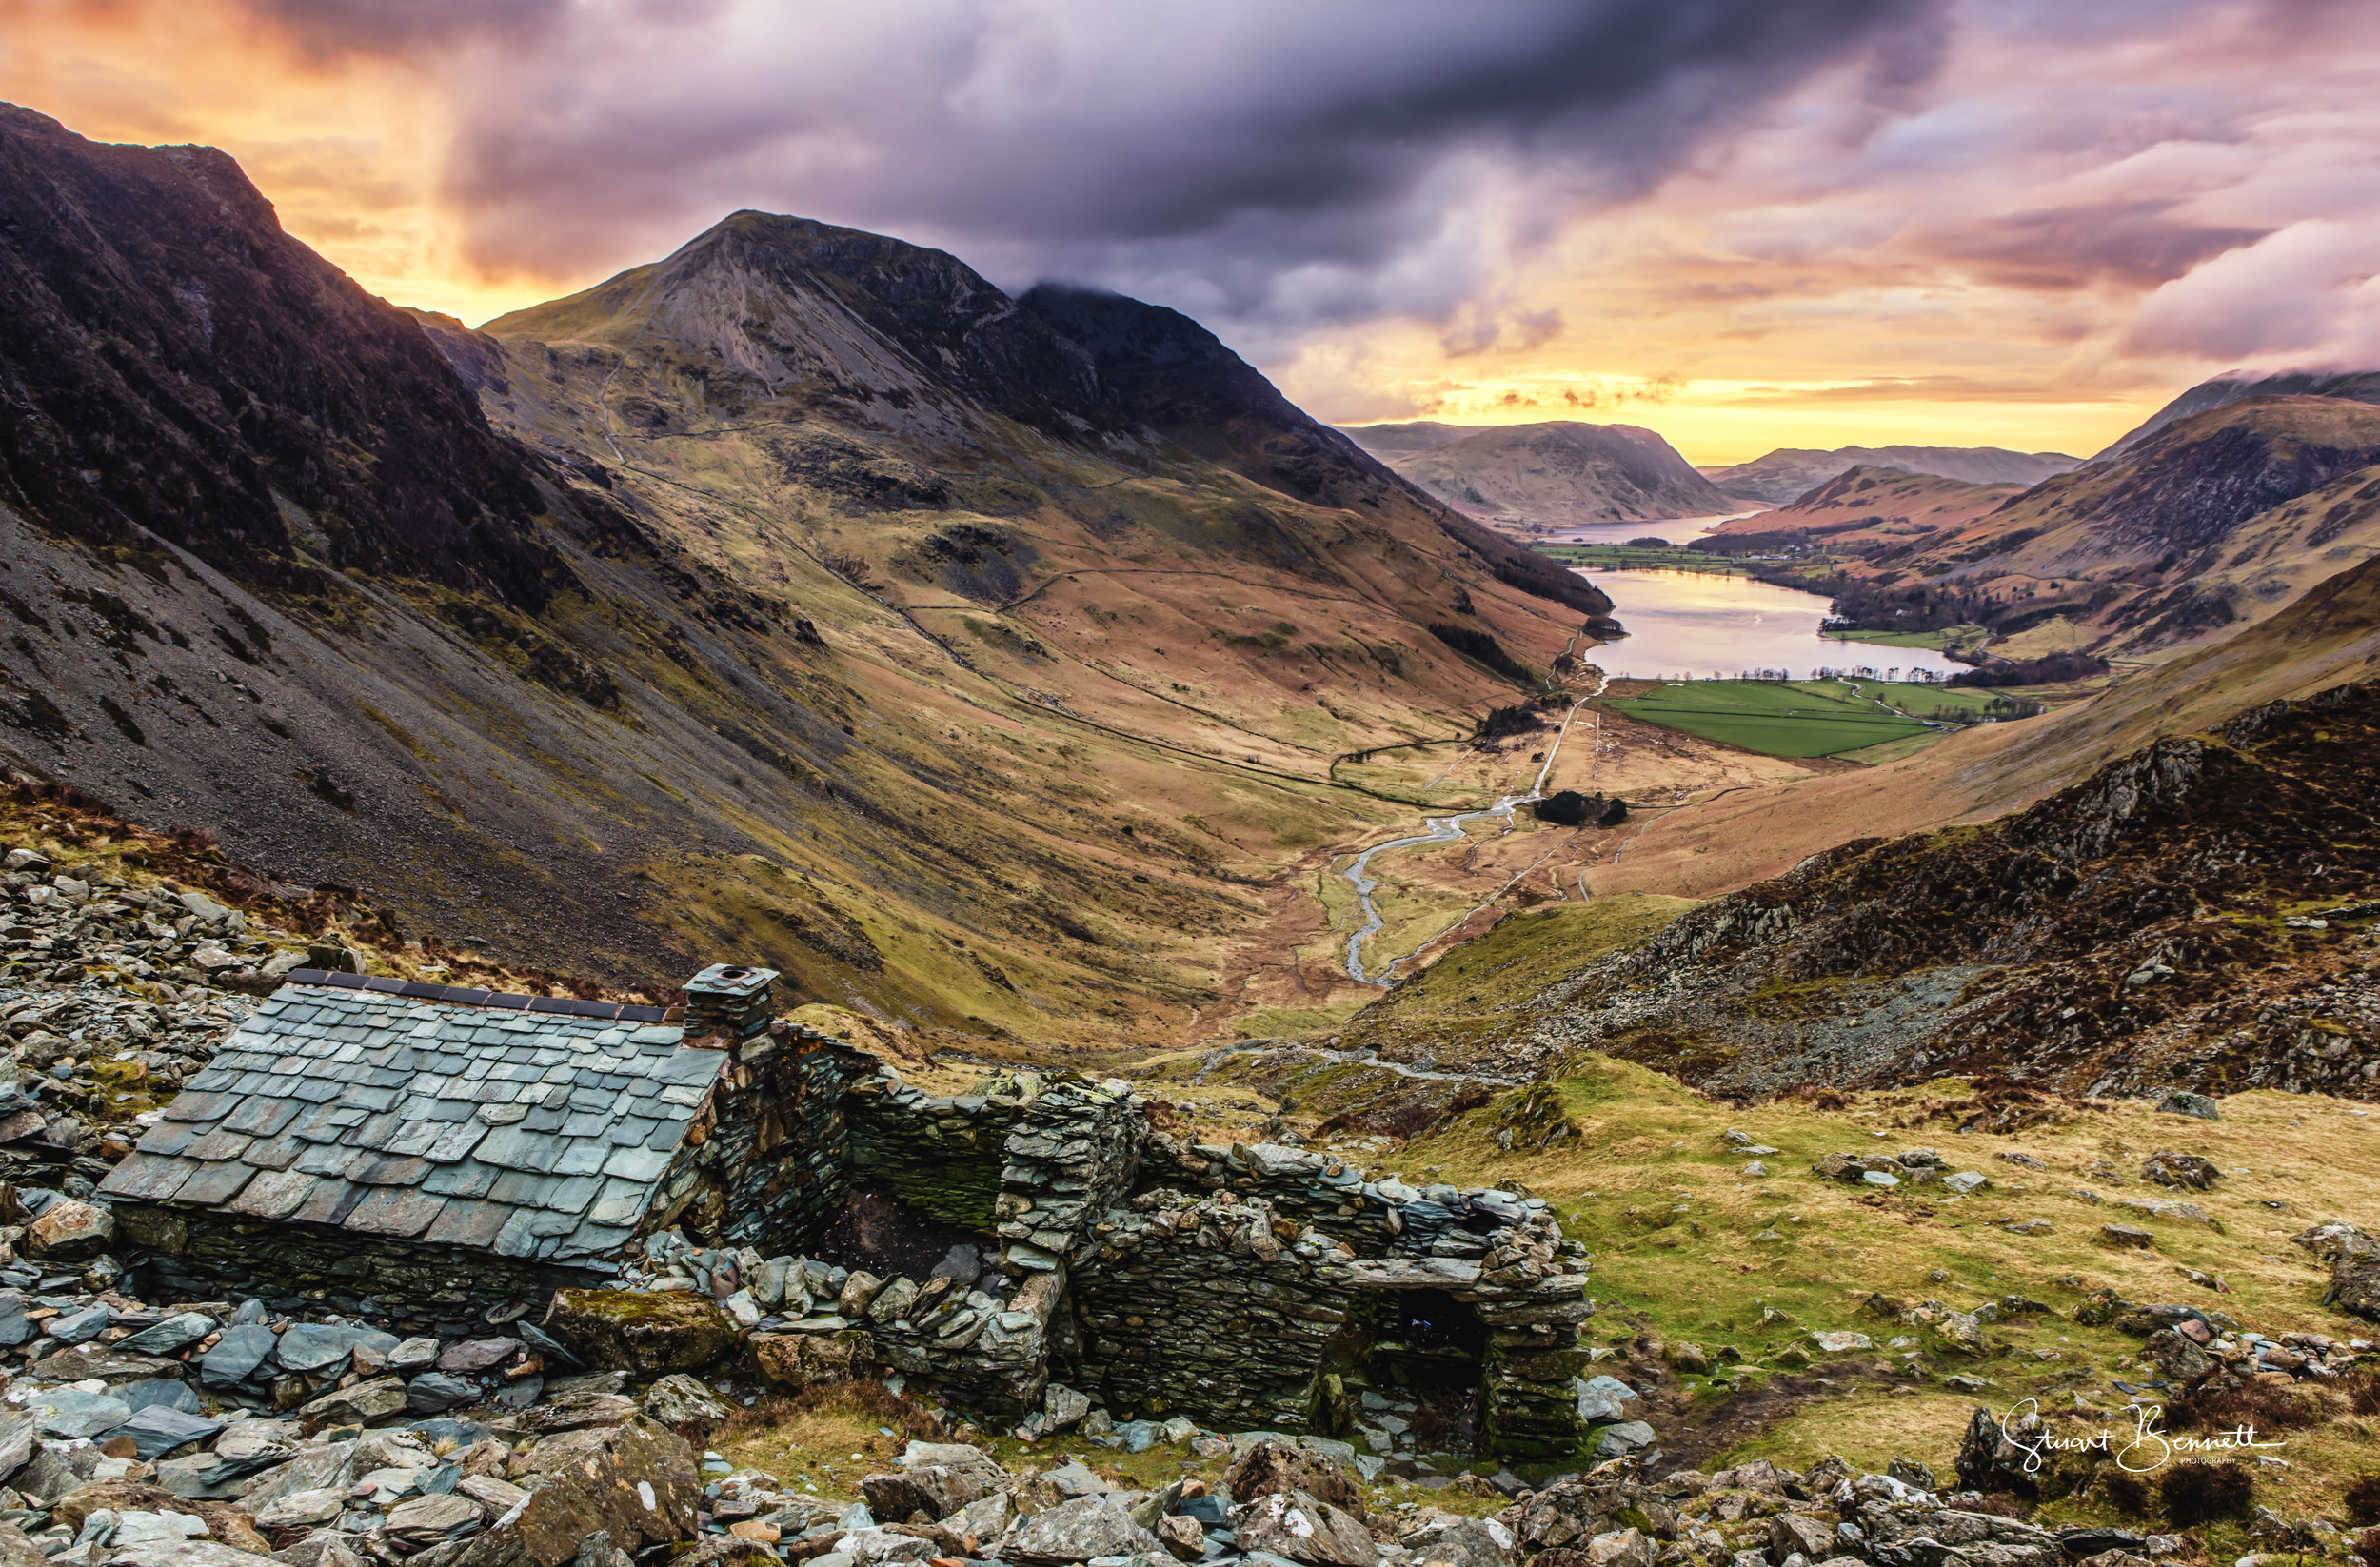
(1700, 624)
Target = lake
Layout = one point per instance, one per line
(1700, 624)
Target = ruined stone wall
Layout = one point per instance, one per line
(940, 1156)
(189, 1256)
(1384, 1218)
(1204, 1308)
(768, 1163)
(1073, 1155)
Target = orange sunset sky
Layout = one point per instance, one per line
(1746, 225)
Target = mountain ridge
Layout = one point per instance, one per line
(1784, 475)
(1560, 474)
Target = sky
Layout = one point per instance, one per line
(1745, 224)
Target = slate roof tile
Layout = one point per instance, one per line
(468, 1224)
(274, 1194)
(215, 1181)
(635, 1130)
(469, 1178)
(275, 1153)
(581, 1156)
(261, 1116)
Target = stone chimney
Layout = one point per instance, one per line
(727, 1004)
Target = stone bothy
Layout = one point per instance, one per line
(367, 1138)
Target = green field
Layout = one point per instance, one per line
(1803, 717)
(1615, 556)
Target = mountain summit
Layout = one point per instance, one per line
(1553, 475)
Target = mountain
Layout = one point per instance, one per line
(1562, 473)
(1389, 441)
(1791, 471)
(2214, 521)
(800, 597)
(2355, 385)
(1872, 504)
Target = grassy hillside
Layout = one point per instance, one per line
(1693, 1248)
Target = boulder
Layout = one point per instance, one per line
(1277, 1466)
(2184, 1103)
(69, 1412)
(2355, 1286)
(67, 1231)
(643, 1333)
(175, 1333)
(798, 1360)
(1620, 1548)
(1459, 1541)
(2169, 1169)
(421, 1520)
(683, 1405)
(1063, 1407)
(434, 1393)
(2176, 1356)
(2014, 1460)
(377, 1400)
(1078, 1530)
(302, 1509)
(1791, 1532)
(1564, 1515)
(1185, 1537)
(2126, 1235)
(634, 1482)
(1304, 1528)
(932, 1489)
(473, 1356)
(229, 1525)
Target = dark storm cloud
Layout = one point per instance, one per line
(2138, 243)
(1302, 163)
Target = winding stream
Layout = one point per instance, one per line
(1441, 829)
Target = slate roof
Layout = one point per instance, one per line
(535, 1135)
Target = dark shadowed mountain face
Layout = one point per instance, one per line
(171, 364)
(1162, 371)
(2355, 385)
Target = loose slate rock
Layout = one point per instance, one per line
(160, 1428)
(77, 1327)
(68, 1412)
(236, 1354)
(478, 1355)
(159, 1391)
(174, 1334)
(434, 1393)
